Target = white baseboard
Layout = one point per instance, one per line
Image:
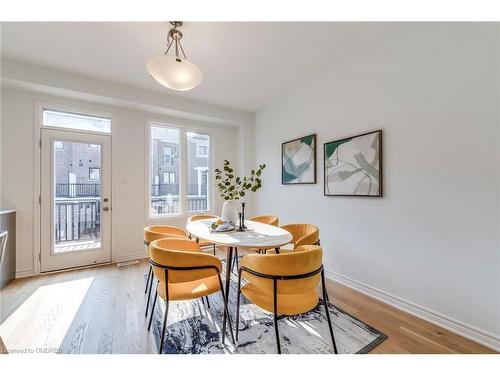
(115, 259)
(473, 333)
(130, 256)
(25, 273)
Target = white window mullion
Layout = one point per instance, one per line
(183, 180)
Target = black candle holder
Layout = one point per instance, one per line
(242, 219)
(240, 226)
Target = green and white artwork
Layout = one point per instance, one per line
(298, 161)
(353, 166)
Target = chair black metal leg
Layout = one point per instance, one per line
(153, 308)
(238, 306)
(214, 249)
(208, 302)
(236, 261)
(164, 328)
(149, 294)
(223, 320)
(226, 313)
(275, 314)
(149, 275)
(166, 312)
(325, 303)
(229, 259)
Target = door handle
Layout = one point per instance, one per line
(105, 208)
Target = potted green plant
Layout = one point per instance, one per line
(232, 188)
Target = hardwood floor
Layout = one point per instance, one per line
(101, 310)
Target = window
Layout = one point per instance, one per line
(202, 151)
(167, 155)
(198, 171)
(58, 145)
(169, 177)
(178, 184)
(94, 174)
(76, 121)
(164, 197)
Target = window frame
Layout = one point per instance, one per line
(94, 179)
(168, 156)
(200, 155)
(169, 176)
(182, 175)
(70, 110)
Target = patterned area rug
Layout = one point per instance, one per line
(194, 328)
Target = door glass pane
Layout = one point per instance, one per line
(77, 196)
(76, 121)
(164, 169)
(198, 152)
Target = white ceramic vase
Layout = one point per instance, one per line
(230, 212)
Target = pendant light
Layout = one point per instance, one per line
(174, 72)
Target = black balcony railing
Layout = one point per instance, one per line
(94, 190)
(77, 220)
(164, 189)
(78, 190)
(158, 190)
(169, 206)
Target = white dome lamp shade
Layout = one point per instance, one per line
(174, 72)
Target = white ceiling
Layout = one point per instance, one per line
(246, 65)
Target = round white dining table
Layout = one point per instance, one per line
(256, 236)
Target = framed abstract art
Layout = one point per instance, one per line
(298, 161)
(353, 166)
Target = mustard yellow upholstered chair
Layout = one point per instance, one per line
(302, 234)
(201, 242)
(155, 232)
(284, 284)
(184, 272)
(267, 219)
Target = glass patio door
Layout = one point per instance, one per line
(75, 199)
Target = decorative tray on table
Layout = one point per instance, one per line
(221, 227)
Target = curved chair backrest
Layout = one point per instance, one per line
(267, 219)
(201, 217)
(303, 234)
(183, 260)
(156, 232)
(304, 261)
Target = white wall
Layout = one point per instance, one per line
(433, 240)
(128, 176)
